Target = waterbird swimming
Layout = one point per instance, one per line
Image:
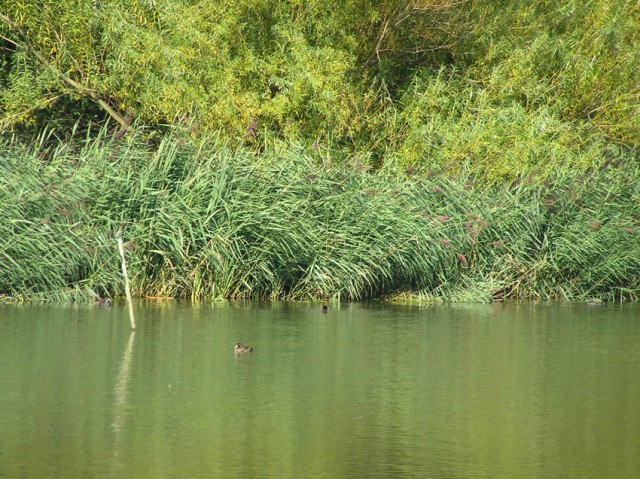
(241, 348)
(103, 302)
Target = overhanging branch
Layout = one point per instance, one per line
(76, 86)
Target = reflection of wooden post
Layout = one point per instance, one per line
(126, 280)
(121, 392)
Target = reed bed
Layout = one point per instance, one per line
(211, 222)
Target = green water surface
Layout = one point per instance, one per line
(364, 391)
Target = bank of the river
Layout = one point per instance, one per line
(210, 222)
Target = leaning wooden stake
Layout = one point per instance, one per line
(126, 280)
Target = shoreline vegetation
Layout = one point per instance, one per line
(410, 150)
(205, 221)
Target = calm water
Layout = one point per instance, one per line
(501, 391)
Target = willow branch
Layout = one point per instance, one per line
(78, 87)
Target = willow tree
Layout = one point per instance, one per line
(579, 57)
(50, 51)
(365, 75)
(294, 70)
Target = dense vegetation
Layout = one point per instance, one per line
(210, 222)
(295, 149)
(505, 85)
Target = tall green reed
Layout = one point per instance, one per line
(207, 221)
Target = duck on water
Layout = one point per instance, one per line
(241, 349)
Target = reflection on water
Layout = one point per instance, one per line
(121, 391)
(514, 391)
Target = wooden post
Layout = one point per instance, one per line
(126, 280)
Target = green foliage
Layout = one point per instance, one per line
(64, 34)
(446, 122)
(324, 104)
(577, 57)
(204, 221)
(503, 86)
(216, 64)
